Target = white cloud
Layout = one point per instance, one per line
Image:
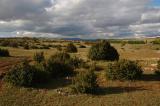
(81, 18)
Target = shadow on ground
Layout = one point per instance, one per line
(117, 90)
(150, 77)
(54, 84)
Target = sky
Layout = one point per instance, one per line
(155, 2)
(80, 18)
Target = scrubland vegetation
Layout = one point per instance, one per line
(90, 73)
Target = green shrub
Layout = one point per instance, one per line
(34, 47)
(71, 48)
(85, 82)
(82, 46)
(4, 53)
(26, 46)
(158, 64)
(63, 56)
(5, 43)
(124, 70)
(77, 62)
(26, 75)
(93, 66)
(123, 43)
(13, 44)
(58, 65)
(39, 57)
(45, 47)
(20, 75)
(157, 72)
(156, 41)
(59, 47)
(40, 74)
(103, 51)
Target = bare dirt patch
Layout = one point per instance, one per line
(8, 62)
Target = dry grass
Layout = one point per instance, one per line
(145, 92)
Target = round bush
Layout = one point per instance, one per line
(58, 65)
(77, 62)
(103, 51)
(157, 72)
(4, 53)
(62, 56)
(39, 57)
(40, 74)
(71, 48)
(85, 82)
(20, 75)
(26, 75)
(124, 70)
(26, 46)
(82, 46)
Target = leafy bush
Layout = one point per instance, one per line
(4, 52)
(13, 44)
(26, 75)
(58, 65)
(93, 66)
(20, 75)
(26, 46)
(63, 56)
(5, 43)
(103, 51)
(123, 43)
(71, 48)
(59, 47)
(77, 62)
(82, 46)
(34, 47)
(85, 82)
(158, 64)
(124, 70)
(40, 74)
(156, 41)
(157, 72)
(39, 57)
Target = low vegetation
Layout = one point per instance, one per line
(157, 72)
(85, 82)
(49, 77)
(103, 51)
(71, 48)
(82, 46)
(4, 53)
(20, 75)
(24, 74)
(124, 70)
(58, 65)
(77, 62)
(39, 57)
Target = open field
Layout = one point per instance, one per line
(144, 92)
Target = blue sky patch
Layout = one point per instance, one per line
(155, 3)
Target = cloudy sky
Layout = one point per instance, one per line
(80, 18)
